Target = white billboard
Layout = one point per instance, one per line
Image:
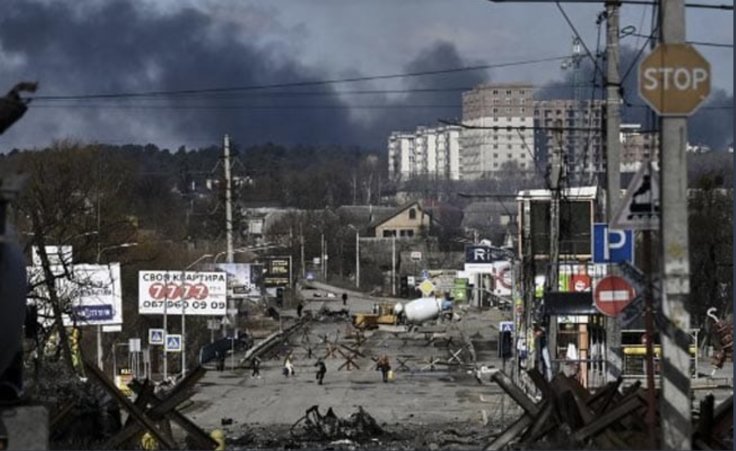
(244, 279)
(93, 293)
(199, 293)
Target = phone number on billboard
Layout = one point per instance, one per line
(201, 305)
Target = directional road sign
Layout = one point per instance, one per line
(640, 207)
(612, 295)
(156, 336)
(173, 343)
(674, 79)
(612, 246)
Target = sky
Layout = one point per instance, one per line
(115, 47)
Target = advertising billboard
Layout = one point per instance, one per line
(199, 293)
(277, 272)
(244, 280)
(93, 292)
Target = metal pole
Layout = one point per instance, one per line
(651, 416)
(613, 157)
(357, 259)
(99, 347)
(393, 264)
(228, 201)
(675, 402)
(166, 329)
(183, 326)
(304, 269)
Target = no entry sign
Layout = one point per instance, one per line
(612, 294)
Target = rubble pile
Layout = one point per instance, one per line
(358, 427)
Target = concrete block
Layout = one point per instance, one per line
(27, 427)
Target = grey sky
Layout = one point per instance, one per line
(149, 45)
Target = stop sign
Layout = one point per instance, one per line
(674, 79)
(612, 294)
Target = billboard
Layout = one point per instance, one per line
(277, 272)
(199, 293)
(243, 279)
(94, 293)
(479, 258)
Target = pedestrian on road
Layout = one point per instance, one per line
(288, 366)
(344, 299)
(385, 366)
(321, 370)
(220, 357)
(256, 368)
(299, 309)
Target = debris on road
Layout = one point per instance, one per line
(313, 426)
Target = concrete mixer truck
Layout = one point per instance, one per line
(422, 309)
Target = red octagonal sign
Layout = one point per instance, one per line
(612, 294)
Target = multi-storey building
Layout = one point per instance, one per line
(580, 138)
(636, 147)
(504, 115)
(428, 152)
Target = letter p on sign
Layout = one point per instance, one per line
(674, 79)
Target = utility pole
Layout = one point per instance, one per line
(228, 201)
(393, 264)
(613, 167)
(675, 403)
(357, 258)
(555, 184)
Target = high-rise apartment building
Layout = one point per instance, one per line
(504, 139)
(581, 138)
(637, 146)
(429, 152)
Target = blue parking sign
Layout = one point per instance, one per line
(612, 246)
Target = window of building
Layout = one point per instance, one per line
(495, 155)
(495, 110)
(495, 146)
(495, 119)
(495, 165)
(495, 91)
(389, 233)
(508, 156)
(412, 214)
(508, 92)
(509, 146)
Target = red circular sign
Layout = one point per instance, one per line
(612, 294)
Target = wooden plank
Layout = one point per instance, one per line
(607, 419)
(515, 392)
(541, 383)
(140, 417)
(510, 433)
(201, 439)
(541, 424)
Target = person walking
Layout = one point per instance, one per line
(256, 368)
(321, 370)
(288, 366)
(344, 299)
(384, 366)
(220, 357)
(299, 309)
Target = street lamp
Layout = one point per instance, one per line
(357, 255)
(183, 315)
(99, 326)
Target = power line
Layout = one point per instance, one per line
(574, 30)
(295, 84)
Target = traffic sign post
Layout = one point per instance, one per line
(156, 336)
(640, 208)
(173, 343)
(426, 287)
(612, 246)
(612, 295)
(674, 79)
